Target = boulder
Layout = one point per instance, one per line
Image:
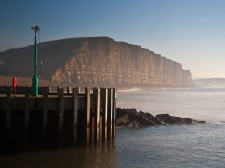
(145, 122)
(176, 120)
(131, 118)
(122, 120)
(189, 121)
(201, 122)
(154, 119)
(120, 112)
(166, 118)
(148, 119)
(132, 113)
(133, 124)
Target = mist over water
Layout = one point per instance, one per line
(199, 103)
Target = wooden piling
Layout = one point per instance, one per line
(45, 109)
(87, 115)
(27, 109)
(68, 90)
(60, 92)
(96, 93)
(75, 112)
(114, 113)
(104, 113)
(8, 109)
(26, 118)
(110, 113)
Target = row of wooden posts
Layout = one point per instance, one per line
(56, 117)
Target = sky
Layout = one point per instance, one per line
(191, 32)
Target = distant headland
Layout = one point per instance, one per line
(95, 61)
(210, 82)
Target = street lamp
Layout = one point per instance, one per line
(35, 78)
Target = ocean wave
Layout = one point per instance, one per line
(216, 122)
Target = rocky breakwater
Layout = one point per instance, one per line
(132, 118)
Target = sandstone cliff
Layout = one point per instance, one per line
(96, 61)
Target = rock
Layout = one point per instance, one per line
(176, 120)
(127, 117)
(142, 115)
(145, 122)
(201, 122)
(154, 119)
(120, 112)
(166, 118)
(132, 113)
(122, 120)
(131, 118)
(189, 121)
(133, 124)
(148, 119)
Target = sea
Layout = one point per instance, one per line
(171, 146)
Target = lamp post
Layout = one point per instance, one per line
(35, 78)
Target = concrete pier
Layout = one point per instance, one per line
(57, 117)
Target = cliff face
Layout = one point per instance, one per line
(99, 61)
(102, 61)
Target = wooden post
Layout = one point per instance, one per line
(45, 109)
(96, 114)
(60, 113)
(75, 111)
(68, 90)
(7, 137)
(87, 115)
(26, 118)
(8, 109)
(26, 109)
(109, 121)
(104, 114)
(114, 113)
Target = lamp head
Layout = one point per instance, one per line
(35, 28)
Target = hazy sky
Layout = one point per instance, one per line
(191, 32)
